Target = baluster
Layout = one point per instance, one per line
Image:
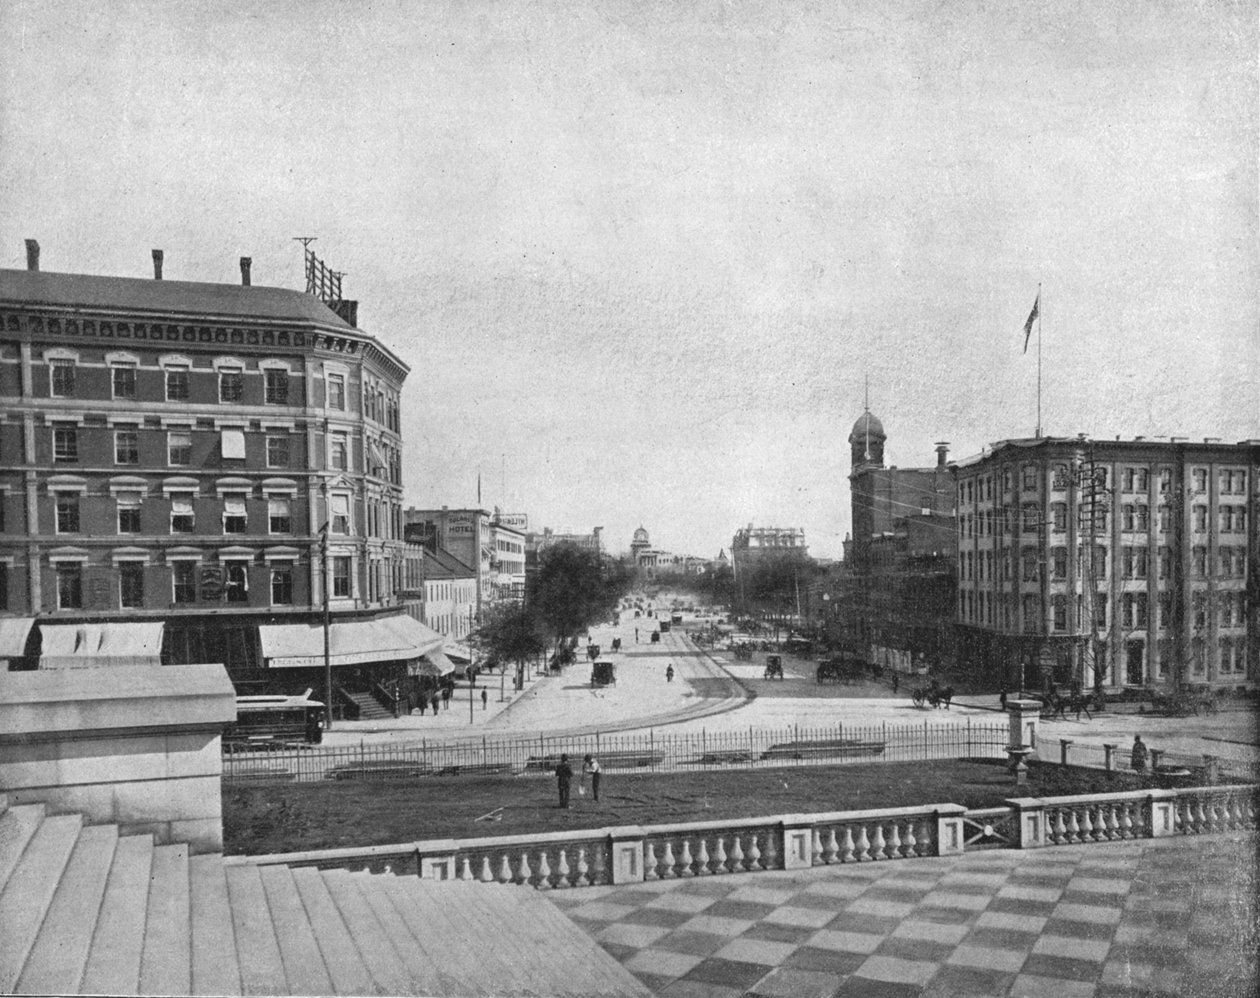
(544, 872)
(1113, 823)
(894, 841)
(582, 869)
(737, 856)
(1058, 831)
(649, 862)
(770, 858)
(847, 847)
(667, 864)
(1126, 821)
(754, 854)
(486, 876)
(465, 870)
(816, 851)
(877, 843)
(702, 859)
(1086, 826)
(830, 853)
(927, 838)
(1179, 818)
(505, 871)
(686, 861)
(1237, 818)
(524, 873)
(562, 871)
(719, 856)
(910, 840)
(863, 847)
(1073, 826)
(1200, 818)
(389, 867)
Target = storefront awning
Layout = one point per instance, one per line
(457, 651)
(432, 663)
(13, 634)
(350, 642)
(81, 646)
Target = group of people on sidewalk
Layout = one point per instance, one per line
(564, 777)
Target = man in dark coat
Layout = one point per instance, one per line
(564, 777)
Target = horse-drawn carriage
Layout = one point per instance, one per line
(774, 667)
(839, 669)
(932, 695)
(603, 673)
(1184, 701)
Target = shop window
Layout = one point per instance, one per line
(131, 583)
(69, 586)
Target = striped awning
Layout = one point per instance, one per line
(80, 646)
(13, 634)
(350, 642)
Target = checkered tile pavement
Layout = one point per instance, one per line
(1149, 918)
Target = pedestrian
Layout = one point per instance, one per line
(446, 697)
(669, 673)
(1138, 757)
(636, 635)
(896, 682)
(434, 703)
(483, 699)
(564, 777)
(590, 767)
(424, 702)
(1002, 698)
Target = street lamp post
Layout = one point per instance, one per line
(328, 690)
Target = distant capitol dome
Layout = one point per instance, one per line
(641, 535)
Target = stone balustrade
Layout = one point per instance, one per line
(633, 854)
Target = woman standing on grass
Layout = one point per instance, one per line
(591, 768)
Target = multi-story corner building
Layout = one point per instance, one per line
(893, 598)
(187, 470)
(1110, 563)
(478, 538)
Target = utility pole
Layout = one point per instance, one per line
(328, 689)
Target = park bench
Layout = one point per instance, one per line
(618, 759)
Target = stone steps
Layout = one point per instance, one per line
(86, 910)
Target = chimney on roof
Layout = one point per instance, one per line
(942, 452)
(157, 265)
(32, 254)
(348, 310)
(245, 265)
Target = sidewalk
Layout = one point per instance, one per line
(1151, 917)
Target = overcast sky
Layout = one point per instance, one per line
(640, 257)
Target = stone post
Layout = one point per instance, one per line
(1157, 758)
(626, 854)
(1064, 745)
(1025, 723)
(949, 829)
(1030, 823)
(1109, 758)
(798, 842)
(1212, 764)
(439, 863)
(1161, 803)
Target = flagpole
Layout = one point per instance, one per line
(1039, 311)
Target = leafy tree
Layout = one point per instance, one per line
(573, 588)
(512, 634)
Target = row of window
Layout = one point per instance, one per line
(1231, 481)
(981, 607)
(63, 382)
(1231, 563)
(182, 516)
(1134, 518)
(228, 583)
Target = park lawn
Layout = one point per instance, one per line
(291, 817)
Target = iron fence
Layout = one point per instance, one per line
(622, 752)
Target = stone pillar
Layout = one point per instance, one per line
(1161, 803)
(1030, 815)
(949, 829)
(626, 854)
(136, 746)
(1157, 758)
(1064, 745)
(1025, 723)
(1109, 757)
(798, 842)
(437, 860)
